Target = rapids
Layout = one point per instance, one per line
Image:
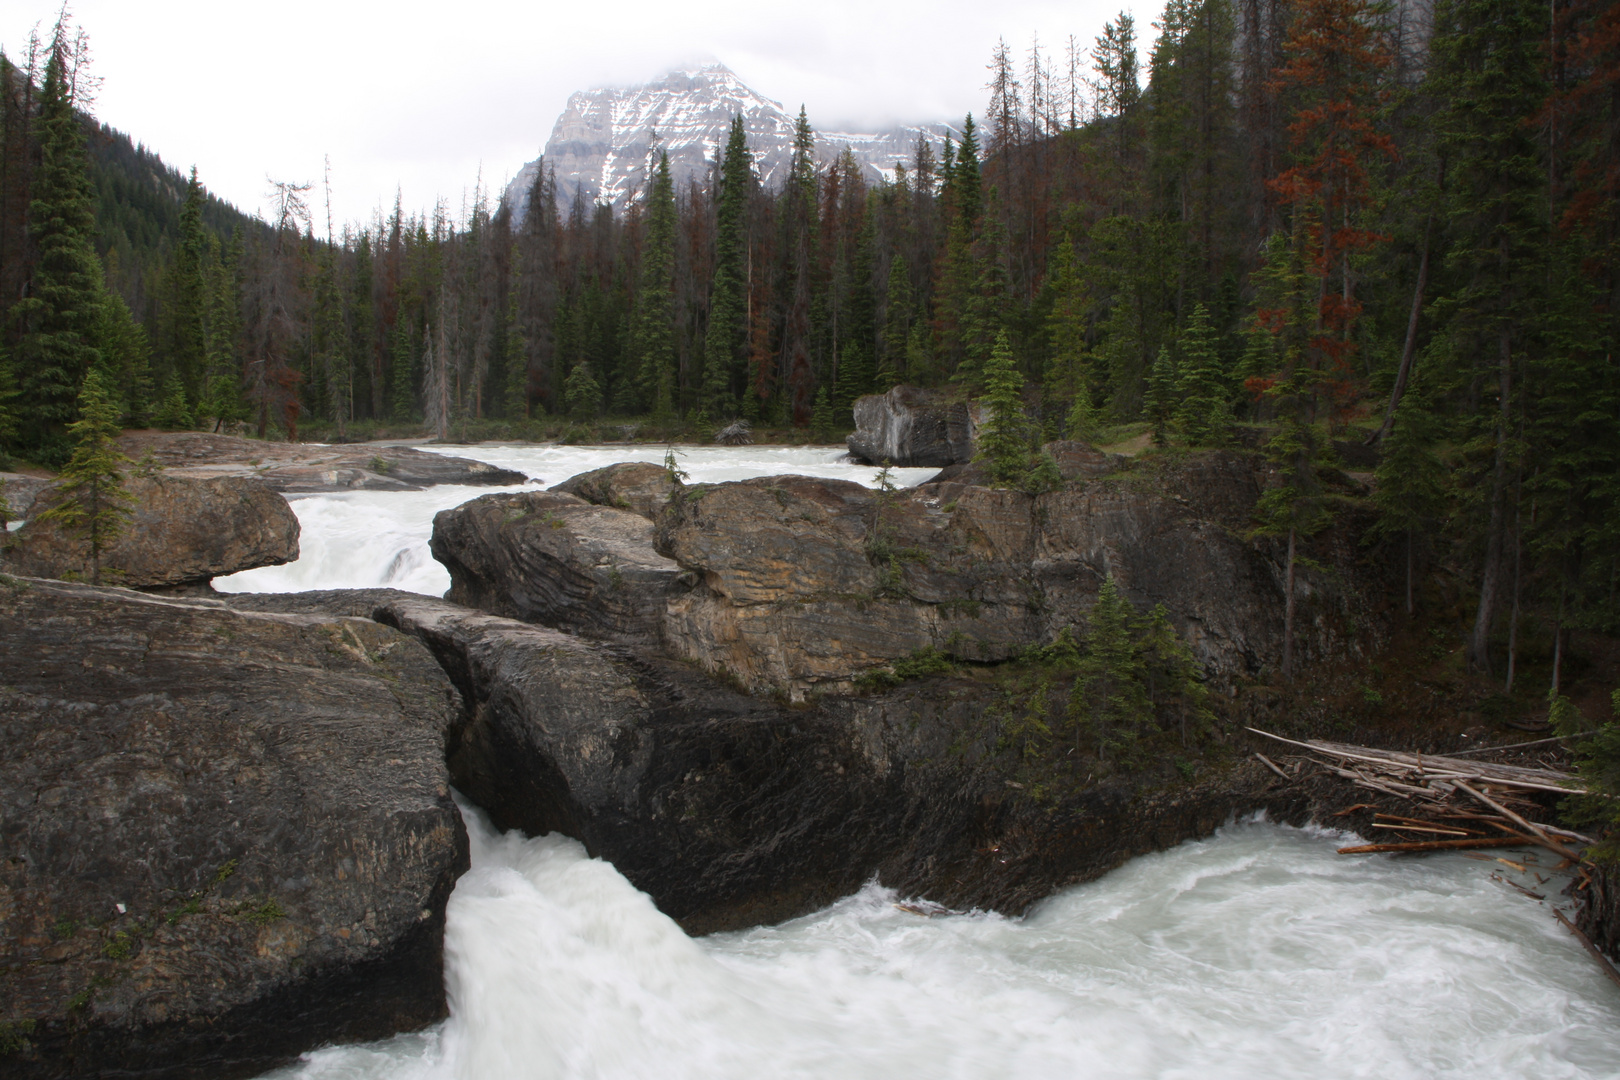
(1257, 953)
(367, 539)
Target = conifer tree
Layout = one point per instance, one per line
(172, 413)
(1109, 702)
(1203, 413)
(95, 506)
(1160, 404)
(1173, 675)
(1004, 439)
(1068, 376)
(728, 301)
(582, 392)
(1410, 479)
(56, 348)
(185, 309)
(126, 357)
(402, 376)
(653, 325)
(899, 309)
(821, 417)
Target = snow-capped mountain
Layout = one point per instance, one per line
(601, 146)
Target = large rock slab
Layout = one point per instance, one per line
(912, 427)
(19, 491)
(637, 486)
(228, 837)
(305, 468)
(555, 559)
(804, 584)
(183, 530)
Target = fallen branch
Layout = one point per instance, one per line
(1268, 763)
(1440, 845)
(1546, 840)
(1418, 828)
(1597, 954)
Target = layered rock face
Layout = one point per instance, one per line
(183, 531)
(304, 468)
(909, 427)
(229, 837)
(807, 583)
(553, 558)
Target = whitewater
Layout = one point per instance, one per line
(1257, 953)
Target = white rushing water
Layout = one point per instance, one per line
(364, 539)
(1257, 953)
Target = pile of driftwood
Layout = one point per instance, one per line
(1457, 802)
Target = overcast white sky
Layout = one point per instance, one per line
(421, 93)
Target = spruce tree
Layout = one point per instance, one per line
(1410, 480)
(184, 336)
(172, 413)
(582, 392)
(899, 305)
(1203, 414)
(126, 356)
(56, 347)
(402, 373)
(821, 417)
(1161, 401)
(653, 323)
(95, 506)
(728, 300)
(1005, 437)
(1109, 702)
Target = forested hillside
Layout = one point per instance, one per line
(1307, 222)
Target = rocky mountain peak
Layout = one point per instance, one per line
(603, 143)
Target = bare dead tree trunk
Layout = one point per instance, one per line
(1409, 543)
(1288, 613)
(1409, 350)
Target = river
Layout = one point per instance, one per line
(1257, 953)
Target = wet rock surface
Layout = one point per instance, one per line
(228, 836)
(910, 427)
(305, 468)
(183, 530)
(555, 559)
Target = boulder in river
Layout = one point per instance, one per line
(638, 486)
(553, 558)
(183, 531)
(228, 837)
(910, 427)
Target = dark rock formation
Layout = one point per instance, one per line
(806, 583)
(637, 486)
(552, 558)
(183, 531)
(730, 811)
(1082, 461)
(228, 837)
(306, 468)
(912, 428)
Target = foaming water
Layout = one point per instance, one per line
(1257, 953)
(364, 539)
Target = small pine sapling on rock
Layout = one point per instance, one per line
(1004, 440)
(94, 504)
(174, 414)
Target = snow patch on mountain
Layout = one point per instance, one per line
(602, 146)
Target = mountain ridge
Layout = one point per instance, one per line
(602, 143)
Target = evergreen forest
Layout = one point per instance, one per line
(1345, 233)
